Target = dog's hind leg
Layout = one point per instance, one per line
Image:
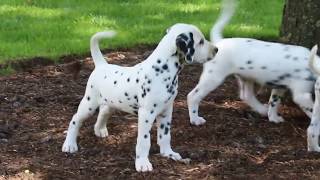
(87, 108)
(164, 136)
(248, 96)
(274, 102)
(304, 101)
(314, 127)
(100, 127)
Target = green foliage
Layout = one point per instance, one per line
(51, 28)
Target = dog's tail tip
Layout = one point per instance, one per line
(94, 45)
(228, 10)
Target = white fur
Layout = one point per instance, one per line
(147, 89)
(254, 61)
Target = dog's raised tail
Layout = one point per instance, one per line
(312, 65)
(228, 9)
(94, 46)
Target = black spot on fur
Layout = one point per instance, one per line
(241, 68)
(162, 126)
(116, 72)
(176, 64)
(166, 130)
(152, 111)
(126, 94)
(115, 82)
(120, 101)
(287, 56)
(249, 40)
(154, 105)
(250, 67)
(105, 100)
(297, 70)
(249, 62)
(194, 111)
(165, 67)
(149, 81)
(146, 136)
(128, 80)
(73, 122)
(137, 80)
(295, 58)
(147, 121)
(88, 98)
(196, 90)
(91, 86)
(138, 157)
(90, 109)
(135, 112)
(160, 136)
(263, 67)
(158, 61)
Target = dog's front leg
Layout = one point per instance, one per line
(203, 88)
(314, 127)
(164, 136)
(146, 118)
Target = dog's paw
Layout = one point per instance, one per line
(276, 119)
(102, 132)
(313, 148)
(70, 147)
(172, 155)
(143, 165)
(197, 121)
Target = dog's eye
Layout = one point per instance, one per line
(201, 42)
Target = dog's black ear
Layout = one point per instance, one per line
(185, 46)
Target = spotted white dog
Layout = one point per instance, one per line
(147, 89)
(280, 66)
(314, 127)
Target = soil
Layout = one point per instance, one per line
(37, 104)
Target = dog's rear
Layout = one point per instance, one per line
(228, 9)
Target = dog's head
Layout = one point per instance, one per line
(191, 44)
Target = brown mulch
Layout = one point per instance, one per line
(37, 104)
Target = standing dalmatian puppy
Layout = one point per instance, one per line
(147, 89)
(314, 127)
(277, 65)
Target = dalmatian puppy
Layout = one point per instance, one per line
(314, 127)
(277, 65)
(147, 89)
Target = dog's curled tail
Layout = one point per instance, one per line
(94, 46)
(312, 58)
(228, 9)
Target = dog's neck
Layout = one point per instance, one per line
(166, 50)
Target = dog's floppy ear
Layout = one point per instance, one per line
(185, 46)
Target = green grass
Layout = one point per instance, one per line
(51, 28)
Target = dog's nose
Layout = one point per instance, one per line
(216, 50)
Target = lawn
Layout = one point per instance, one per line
(47, 28)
